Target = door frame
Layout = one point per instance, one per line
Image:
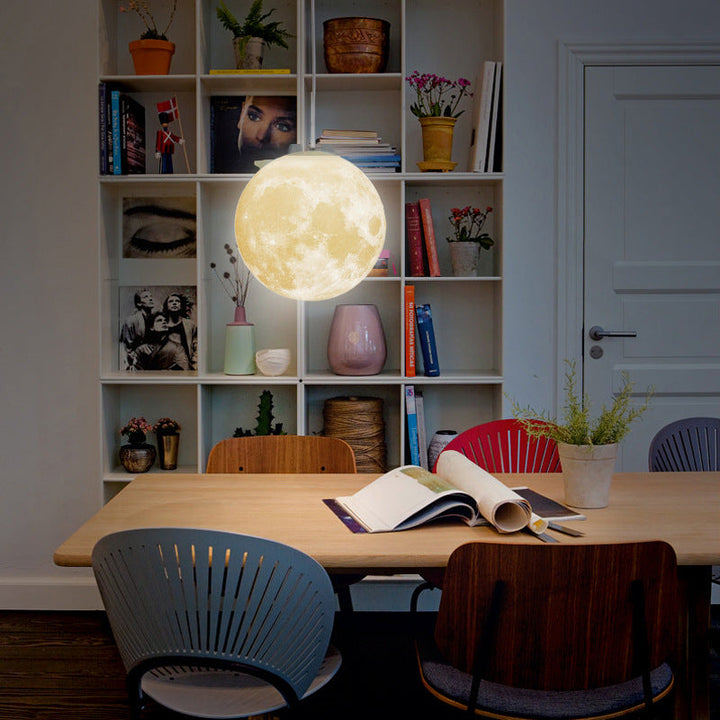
(573, 58)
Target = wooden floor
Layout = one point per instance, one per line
(64, 666)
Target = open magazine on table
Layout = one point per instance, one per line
(409, 496)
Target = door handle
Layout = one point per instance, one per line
(597, 333)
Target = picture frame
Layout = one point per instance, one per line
(159, 227)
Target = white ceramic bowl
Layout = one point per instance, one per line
(272, 361)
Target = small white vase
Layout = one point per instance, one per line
(464, 257)
(249, 52)
(439, 440)
(272, 361)
(587, 473)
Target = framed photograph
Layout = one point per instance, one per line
(247, 129)
(159, 227)
(158, 328)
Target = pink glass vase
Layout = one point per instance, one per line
(356, 343)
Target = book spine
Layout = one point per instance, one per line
(412, 428)
(426, 335)
(481, 119)
(429, 234)
(421, 429)
(410, 331)
(102, 128)
(115, 109)
(413, 230)
(493, 159)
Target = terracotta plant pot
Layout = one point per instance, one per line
(152, 57)
(437, 139)
(356, 45)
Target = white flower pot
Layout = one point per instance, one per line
(464, 258)
(587, 472)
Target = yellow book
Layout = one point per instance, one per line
(261, 71)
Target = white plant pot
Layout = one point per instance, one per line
(249, 52)
(464, 257)
(587, 472)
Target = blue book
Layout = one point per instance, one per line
(412, 426)
(426, 336)
(115, 120)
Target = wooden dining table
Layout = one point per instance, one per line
(682, 509)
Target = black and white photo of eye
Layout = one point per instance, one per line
(159, 227)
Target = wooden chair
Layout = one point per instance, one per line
(691, 444)
(503, 446)
(289, 454)
(215, 624)
(554, 631)
(281, 454)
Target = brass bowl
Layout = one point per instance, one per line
(356, 44)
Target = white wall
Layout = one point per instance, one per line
(49, 434)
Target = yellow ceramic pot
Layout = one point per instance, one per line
(437, 139)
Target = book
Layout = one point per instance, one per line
(334, 133)
(103, 93)
(410, 331)
(482, 108)
(240, 137)
(428, 228)
(495, 121)
(132, 140)
(421, 429)
(412, 428)
(413, 231)
(426, 338)
(409, 496)
(115, 129)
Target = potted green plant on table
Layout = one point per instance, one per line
(253, 35)
(168, 436)
(137, 456)
(468, 239)
(587, 446)
(436, 106)
(153, 52)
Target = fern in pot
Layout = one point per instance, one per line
(587, 445)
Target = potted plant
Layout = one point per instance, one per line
(587, 447)
(468, 239)
(153, 52)
(168, 435)
(239, 334)
(137, 456)
(436, 106)
(265, 419)
(254, 34)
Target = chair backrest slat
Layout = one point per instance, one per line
(566, 616)
(691, 444)
(282, 454)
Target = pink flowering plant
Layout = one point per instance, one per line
(437, 96)
(467, 225)
(166, 426)
(136, 429)
(142, 8)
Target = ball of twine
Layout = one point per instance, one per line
(358, 421)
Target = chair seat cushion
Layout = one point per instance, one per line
(453, 685)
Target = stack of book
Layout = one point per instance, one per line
(364, 148)
(121, 132)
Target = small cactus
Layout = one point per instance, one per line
(265, 419)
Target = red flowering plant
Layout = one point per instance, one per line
(467, 224)
(436, 96)
(166, 426)
(136, 429)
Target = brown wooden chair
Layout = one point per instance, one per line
(554, 631)
(288, 454)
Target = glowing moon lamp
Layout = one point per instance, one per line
(310, 225)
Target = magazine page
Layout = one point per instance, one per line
(397, 495)
(503, 507)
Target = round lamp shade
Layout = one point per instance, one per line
(310, 225)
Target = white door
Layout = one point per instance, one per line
(652, 241)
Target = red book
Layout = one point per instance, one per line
(429, 234)
(413, 231)
(410, 330)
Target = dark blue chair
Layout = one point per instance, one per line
(688, 445)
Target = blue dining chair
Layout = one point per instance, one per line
(691, 444)
(215, 624)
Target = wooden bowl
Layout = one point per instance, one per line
(356, 44)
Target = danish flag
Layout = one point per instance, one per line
(170, 107)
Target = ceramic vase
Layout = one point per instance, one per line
(168, 451)
(151, 57)
(137, 458)
(356, 343)
(272, 361)
(464, 258)
(240, 345)
(439, 440)
(587, 473)
(437, 139)
(356, 44)
(249, 52)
